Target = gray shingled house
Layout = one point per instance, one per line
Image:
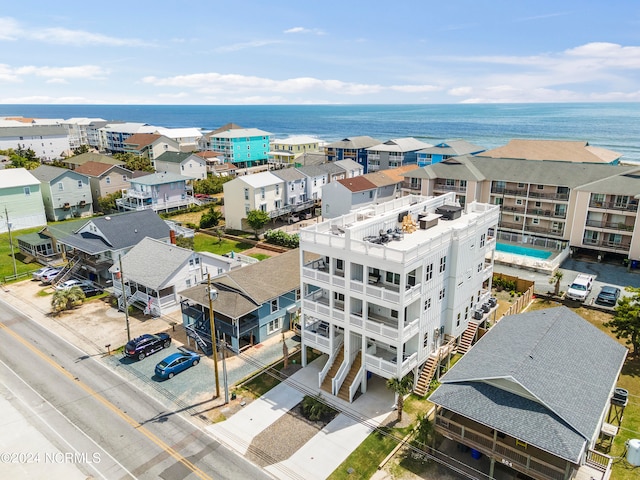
(154, 271)
(98, 244)
(533, 395)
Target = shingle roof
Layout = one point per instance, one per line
(142, 139)
(625, 184)
(561, 150)
(95, 169)
(454, 147)
(407, 144)
(123, 230)
(240, 133)
(244, 290)
(257, 282)
(92, 157)
(47, 173)
(43, 130)
(312, 170)
(174, 157)
(331, 168)
(380, 178)
(347, 164)
(289, 174)
(548, 172)
(158, 178)
(354, 143)
(358, 184)
(152, 262)
(564, 367)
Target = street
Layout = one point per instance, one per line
(84, 420)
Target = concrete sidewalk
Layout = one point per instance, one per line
(321, 455)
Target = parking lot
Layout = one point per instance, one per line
(603, 274)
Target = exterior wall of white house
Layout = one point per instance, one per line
(392, 302)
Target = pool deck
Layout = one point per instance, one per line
(548, 266)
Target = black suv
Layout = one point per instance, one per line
(146, 344)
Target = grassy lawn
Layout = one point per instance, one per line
(6, 261)
(206, 243)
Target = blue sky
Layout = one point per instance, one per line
(319, 52)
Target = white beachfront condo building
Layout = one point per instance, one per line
(380, 299)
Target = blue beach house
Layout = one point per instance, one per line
(243, 147)
(249, 307)
(446, 149)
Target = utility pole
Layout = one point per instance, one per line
(13, 255)
(213, 294)
(124, 299)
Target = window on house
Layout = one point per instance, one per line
(458, 320)
(518, 201)
(188, 282)
(262, 191)
(535, 221)
(393, 278)
(297, 294)
(107, 180)
(483, 239)
(79, 183)
(538, 204)
(277, 189)
(339, 264)
(427, 304)
(540, 187)
(442, 294)
(124, 178)
(425, 340)
(274, 305)
(274, 326)
(429, 272)
(443, 263)
(394, 313)
(27, 191)
(60, 186)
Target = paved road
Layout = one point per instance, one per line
(87, 421)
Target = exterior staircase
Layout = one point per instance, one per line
(328, 380)
(467, 338)
(67, 271)
(343, 393)
(427, 374)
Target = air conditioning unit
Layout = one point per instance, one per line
(485, 307)
(477, 314)
(493, 301)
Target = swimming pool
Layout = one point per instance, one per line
(520, 250)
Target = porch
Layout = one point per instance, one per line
(517, 455)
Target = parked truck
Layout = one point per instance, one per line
(580, 288)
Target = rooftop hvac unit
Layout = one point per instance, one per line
(493, 301)
(486, 307)
(477, 314)
(449, 212)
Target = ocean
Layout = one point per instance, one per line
(614, 126)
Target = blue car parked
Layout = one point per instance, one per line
(176, 362)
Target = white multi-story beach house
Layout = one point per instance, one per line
(389, 286)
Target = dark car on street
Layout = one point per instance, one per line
(608, 295)
(146, 344)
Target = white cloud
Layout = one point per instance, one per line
(314, 31)
(60, 81)
(80, 71)
(242, 46)
(41, 99)
(213, 83)
(10, 29)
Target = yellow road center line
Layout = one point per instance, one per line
(110, 406)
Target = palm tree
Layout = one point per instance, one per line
(400, 386)
(556, 278)
(66, 299)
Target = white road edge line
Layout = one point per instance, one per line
(63, 416)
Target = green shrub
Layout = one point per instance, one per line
(284, 239)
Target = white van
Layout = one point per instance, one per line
(580, 288)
